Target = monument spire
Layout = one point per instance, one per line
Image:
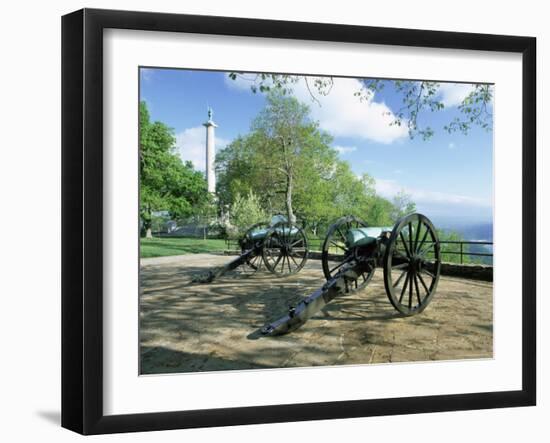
(210, 152)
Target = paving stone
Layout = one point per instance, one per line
(187, 327)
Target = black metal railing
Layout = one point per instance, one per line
(462, 252)
(463, 249)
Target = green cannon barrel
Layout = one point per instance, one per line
(259, 234)
(364, 236)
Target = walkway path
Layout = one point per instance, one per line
(187, 327)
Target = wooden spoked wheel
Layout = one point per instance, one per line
(336, 253)
(285, 249)
(248, 242)
(412, 264)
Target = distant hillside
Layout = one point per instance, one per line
(470, 229)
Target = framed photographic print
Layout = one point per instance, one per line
(270, 221)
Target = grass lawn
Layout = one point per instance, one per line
(161, 247)
(165, 246)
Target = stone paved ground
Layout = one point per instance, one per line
(189, 327)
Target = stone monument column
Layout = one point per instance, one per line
(210, 152)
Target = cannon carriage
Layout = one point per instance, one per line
(281, 246)
(409, 254)
(278, 245)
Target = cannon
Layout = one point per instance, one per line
(280, 246)
(409, 254)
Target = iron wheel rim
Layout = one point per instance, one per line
(285, 249)
(412, 264)
(336, 239)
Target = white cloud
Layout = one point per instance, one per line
(389, 188)
(340, 112)
(345, 149)
(452, 94)
(191, 144)
(343, 114)
(452, 145)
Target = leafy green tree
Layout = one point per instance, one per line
(284, 155)
(450, 251)
(158, 222)
(402, 205)
(205, 214)
(378, 212)
(289, 164)
(246, 211)
(287, 142)
(166, 183)
(240, 169)
(474, 111)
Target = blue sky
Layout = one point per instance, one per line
(451, 175)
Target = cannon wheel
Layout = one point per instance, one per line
(246, 243)
(285, 249)
(335, 244)
(412, 264)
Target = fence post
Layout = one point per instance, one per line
(461, 253)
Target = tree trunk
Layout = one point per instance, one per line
(148, 222)
(288, 192)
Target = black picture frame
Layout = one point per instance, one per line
(82, 218)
